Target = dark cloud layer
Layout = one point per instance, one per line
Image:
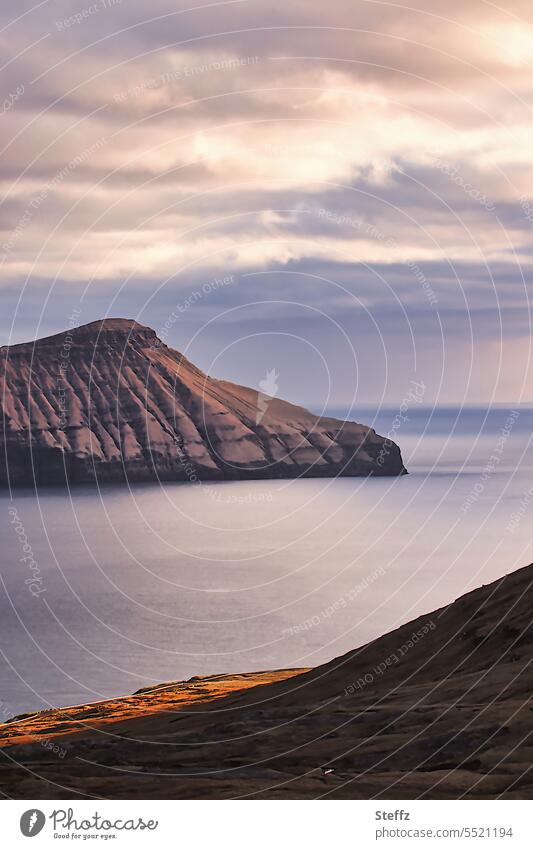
(361, 171)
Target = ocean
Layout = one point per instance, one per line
(104, 592)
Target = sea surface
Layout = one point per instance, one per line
(123, 587)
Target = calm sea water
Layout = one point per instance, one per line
(161, 583)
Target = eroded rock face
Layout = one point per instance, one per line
(109, 401)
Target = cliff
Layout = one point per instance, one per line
(109, 401)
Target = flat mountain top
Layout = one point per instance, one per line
(120, 327)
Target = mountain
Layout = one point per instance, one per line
(109, 401)
(440, 708)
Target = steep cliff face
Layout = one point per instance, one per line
(109, 401)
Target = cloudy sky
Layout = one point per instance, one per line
(341, 191)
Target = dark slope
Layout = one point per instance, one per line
(441, 707)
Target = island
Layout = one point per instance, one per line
(109, 401)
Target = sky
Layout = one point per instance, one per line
(340, 191)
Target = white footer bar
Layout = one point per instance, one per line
(268, 824)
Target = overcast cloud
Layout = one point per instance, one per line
(360, 171)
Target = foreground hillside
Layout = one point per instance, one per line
(440, 708)
(110, 401)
